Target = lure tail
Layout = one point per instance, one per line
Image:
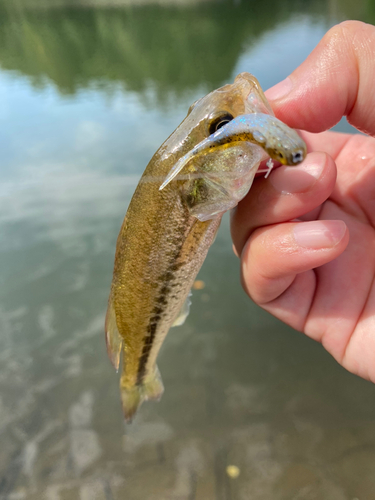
(133, 397)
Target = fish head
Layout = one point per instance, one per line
(216, 181)
(219, 145)
(211, 112)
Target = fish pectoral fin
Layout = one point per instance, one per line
(112, 335)
(184, 312)
(206, 198)
(132, 398)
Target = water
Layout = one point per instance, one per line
(87, 95)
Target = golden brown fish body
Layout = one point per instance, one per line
(162, 243)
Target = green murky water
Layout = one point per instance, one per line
(88, 91)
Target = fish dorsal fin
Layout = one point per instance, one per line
(112, 335)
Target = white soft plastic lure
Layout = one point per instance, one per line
(278, 140)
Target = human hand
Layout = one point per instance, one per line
(308, 273)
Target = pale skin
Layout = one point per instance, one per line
(317, 274)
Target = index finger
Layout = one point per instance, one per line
(336, 80)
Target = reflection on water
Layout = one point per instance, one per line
(87, 95)
(171, 48)
(125, 46)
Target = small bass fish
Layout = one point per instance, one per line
(203, 169)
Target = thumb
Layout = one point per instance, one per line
(337, 79)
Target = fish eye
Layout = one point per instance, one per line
(218, 121)
(297, 156)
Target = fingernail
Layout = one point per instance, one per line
(319, 234)
(301, 178)
(280, 90)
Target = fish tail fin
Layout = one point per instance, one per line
(112, 335)
(132, 397)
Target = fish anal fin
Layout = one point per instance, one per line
(132, 398)
(184, 312)
(112, 335)
(153, 386)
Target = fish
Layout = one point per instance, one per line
(205, 167)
